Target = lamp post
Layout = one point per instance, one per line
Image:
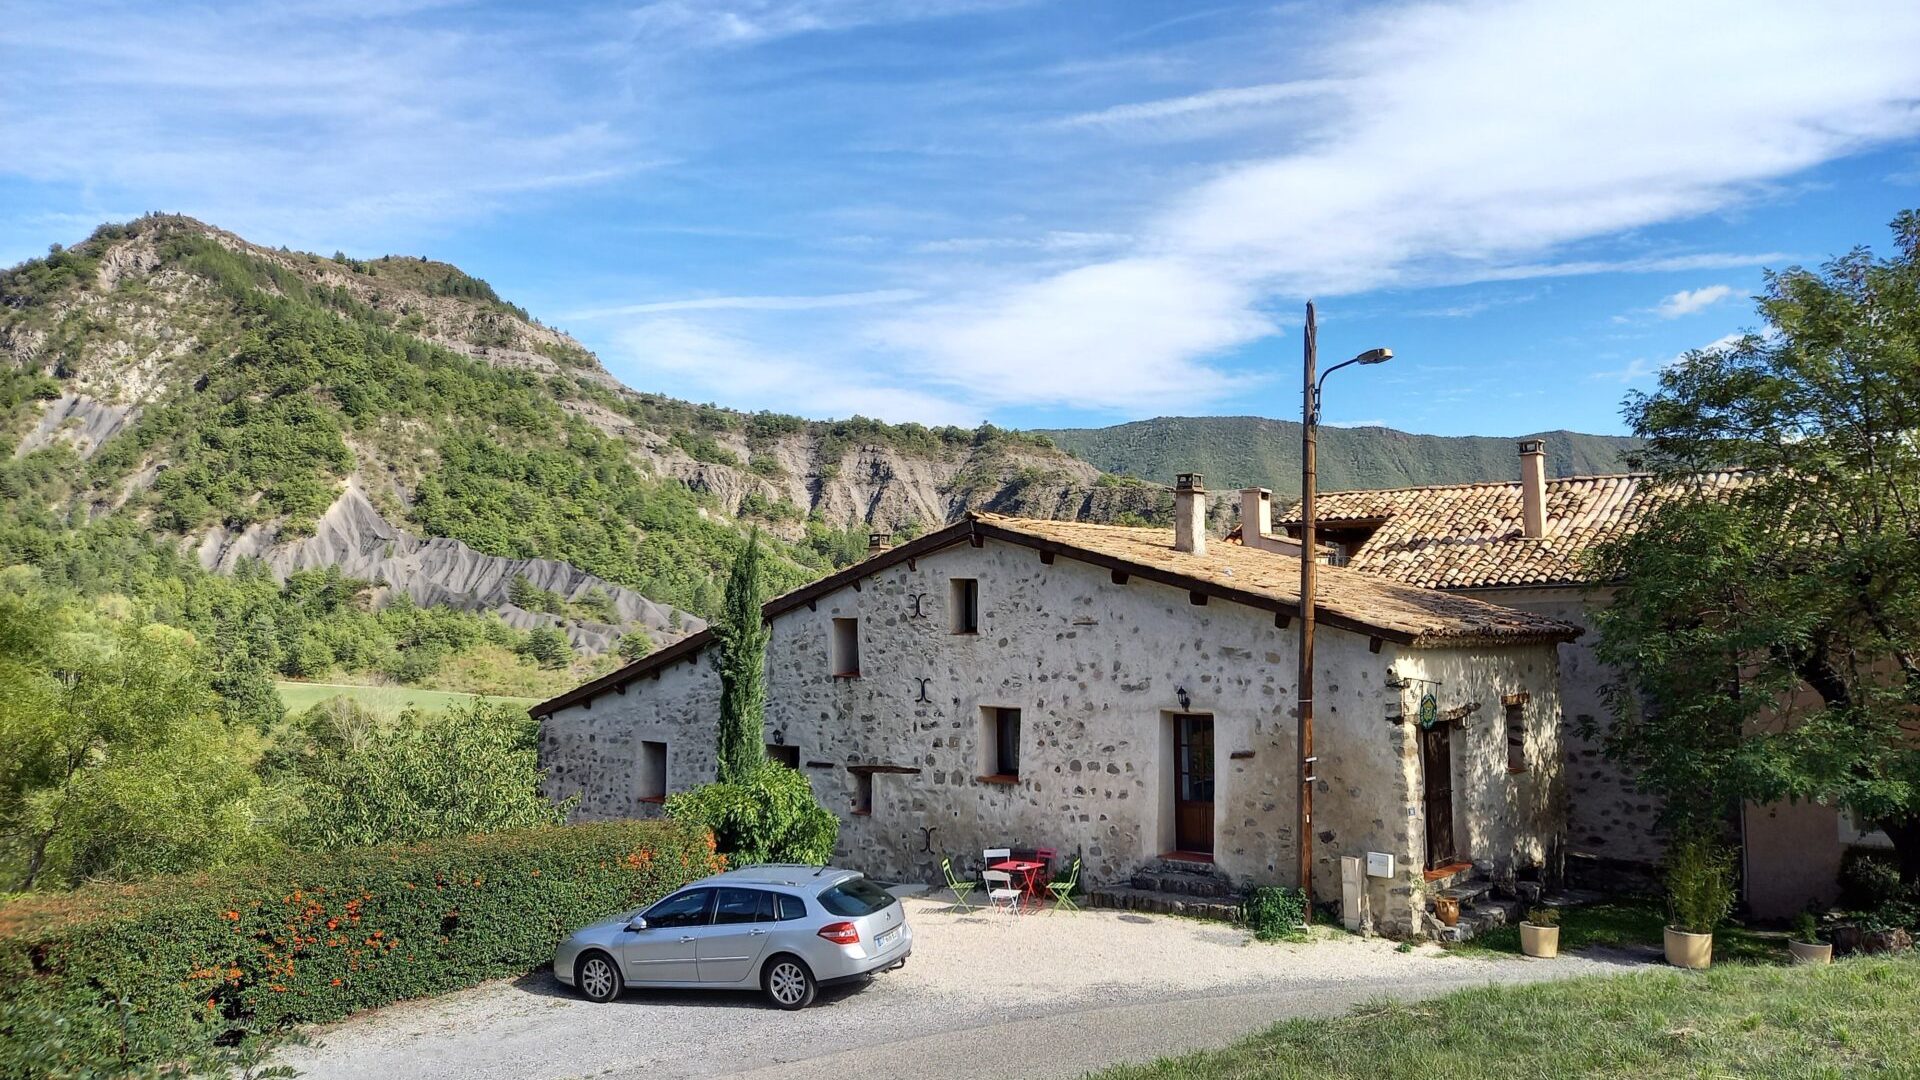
(1310, 416)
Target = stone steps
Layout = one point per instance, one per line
(1185, 884)
(1128, 898)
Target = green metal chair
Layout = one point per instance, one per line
(960, 888)
(1063, 890)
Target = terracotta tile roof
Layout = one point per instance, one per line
(1461, 536)
(1343, 597)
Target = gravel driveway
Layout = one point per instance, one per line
(1033, 996)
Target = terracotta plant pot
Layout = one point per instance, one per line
(1540, 941)
(1447, 910)
(1810, 952)
(1689, 950)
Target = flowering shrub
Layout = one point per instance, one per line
(160, 969)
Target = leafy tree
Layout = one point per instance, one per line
(1771, 627)
(472, 768)
(742, 633)
(113, 758)
(635, 644)
(548, 646)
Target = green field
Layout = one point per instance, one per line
(388, 700)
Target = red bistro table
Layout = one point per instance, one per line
(1029, 872)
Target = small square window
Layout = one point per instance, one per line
(1000, 742)
(653, 772)
(784, 755)
(1516, 738)
(963, 605)
(845, 651)
(863, 793)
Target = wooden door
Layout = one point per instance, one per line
(1193, 783)
(1436, 768)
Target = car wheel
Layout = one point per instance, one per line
(597, 977)
(788, 983)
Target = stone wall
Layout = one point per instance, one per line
(1609, 818)
(1098, 670)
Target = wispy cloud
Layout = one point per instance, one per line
(1641, 369)
(1692, 301)
(1212, 101)
(756, 303)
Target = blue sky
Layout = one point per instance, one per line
(1035, 213)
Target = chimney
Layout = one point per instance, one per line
(1256, 515)
(878, 542)
(1189, 513)
(1533, 488)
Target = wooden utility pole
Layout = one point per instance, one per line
(1310, 415)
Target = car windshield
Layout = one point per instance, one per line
(855, 897)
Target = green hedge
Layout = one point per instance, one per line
(162, 969)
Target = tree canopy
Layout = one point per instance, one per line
(1769, 616)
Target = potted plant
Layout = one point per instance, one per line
(1699, 896)
(1540, 933)
(1446, 909)
(1805, 944)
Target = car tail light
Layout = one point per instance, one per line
(841, 933)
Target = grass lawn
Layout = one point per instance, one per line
(1629, 923)
(1852, 1018)
(386, 700)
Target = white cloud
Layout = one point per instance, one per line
(1056, 241)
(756, 303)
(1464, 142)
(659, 350)
(1241, 97)
(1640, 369)
(1691, 301)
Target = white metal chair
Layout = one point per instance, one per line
(1000, 888)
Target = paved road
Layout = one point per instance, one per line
(1044, 998)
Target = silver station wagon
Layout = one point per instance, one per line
(783, 930)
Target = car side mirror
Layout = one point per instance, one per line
(637, 923)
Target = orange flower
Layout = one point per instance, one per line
(233, 916)
(336, 980)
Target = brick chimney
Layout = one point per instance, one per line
(1533, 488)
(1189, 513)
(878, 542)
(1256, 514)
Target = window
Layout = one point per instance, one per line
(846, 649)
(681, 909)
(784, 755)
(855, 897)
(737, 906)
(863, 793)
(653, 772)
(1516, 737)
(963, 605)
(1000, 741)
(791, 908)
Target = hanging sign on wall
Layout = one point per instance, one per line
(1429, 710)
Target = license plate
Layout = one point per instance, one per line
(887, 938)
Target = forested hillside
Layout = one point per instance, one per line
(179, 401)
(1237, 451)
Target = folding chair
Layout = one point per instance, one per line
(1063, 890)
(960, 888)
(999, 883)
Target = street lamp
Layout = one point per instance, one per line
(1310, 417)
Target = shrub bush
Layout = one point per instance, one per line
(1699, 886)
(1274, 913)
(769, 816)
(198, 958)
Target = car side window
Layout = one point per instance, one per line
(736, 906)
(769, 907)
(681, 909)
(792, 907)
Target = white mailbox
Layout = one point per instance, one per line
(1380, 864)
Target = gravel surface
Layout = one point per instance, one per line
(1032, 996)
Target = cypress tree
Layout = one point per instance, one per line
(742, 635)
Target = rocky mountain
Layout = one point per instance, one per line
(397, 419)
(1238, 451)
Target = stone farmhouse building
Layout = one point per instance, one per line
(1118, 694)
(1524, 545)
